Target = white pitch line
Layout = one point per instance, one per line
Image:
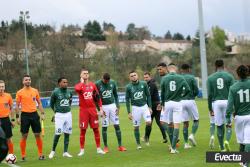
(11, 165)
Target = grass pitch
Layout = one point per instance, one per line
(156, 154)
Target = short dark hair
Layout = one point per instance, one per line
(219, 63)
(171, 64)
(185, 67)
(84, 69)
(133, 71)
(162, 65)
(147, 73)
(106, 76)
(242, 71)
(26, 75)
(60, 79)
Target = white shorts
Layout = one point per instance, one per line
(219, 108)
(111, 117)
(172, 112)
(242, 129)
(63, 123)
(139, 112)
(189, 110)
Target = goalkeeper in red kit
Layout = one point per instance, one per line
(88, 98)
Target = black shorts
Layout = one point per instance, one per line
(30, 119)
(6, 126)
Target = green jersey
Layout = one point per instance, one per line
(137, 94)
(108, 92)
(192, 83)
(60, 100)
(173, 88)
(218, 85)
(239, 99)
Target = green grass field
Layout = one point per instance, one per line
(156, 154)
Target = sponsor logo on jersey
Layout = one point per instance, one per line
(138, 95)
(106, 94)
(64, 103)
(87, 95)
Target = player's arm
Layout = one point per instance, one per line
(97, 99)
(40, 107)
(78, 87)
(149, 102)
(18, 111)
(12, 112)
(71, 98)
(127, 98)
(162, 92)
(230, 104)
(116, 96)
(186, 88)
(195, 87)
(52, 101)
(209, 96)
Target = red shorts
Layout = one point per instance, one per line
(88, 116)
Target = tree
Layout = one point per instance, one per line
(137, 33)
(168, 35)
(108, 26)
(219, 37)
(131, 31)
(188, 38)
(178, 36)
(93, 31)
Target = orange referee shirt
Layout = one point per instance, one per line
(28, 98)
(5, 103)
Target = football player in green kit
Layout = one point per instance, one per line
(60, 102)
(173, 88)
(239, 101)
(218, 85)
(137, 94)
(110, 104)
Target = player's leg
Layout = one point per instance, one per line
(6, 126)
(114, 118)
(185, 117)
(164, 119)
(67, 130)
(147, 118)
(105, 124)
(194, 115)
(136, 115)
(149, 129)
(24, 129)
(220, 108)
(95, 126)
(157, 120)
(58, 132)
(177, 119)
(36, 128)
(212, 129)
(83, 125)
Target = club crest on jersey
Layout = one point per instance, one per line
(64, 103)
(142, 86)
(106, 94)
(138, 95)
(87, 95)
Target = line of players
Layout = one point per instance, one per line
(177, 105)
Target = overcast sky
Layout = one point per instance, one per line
(158, 15)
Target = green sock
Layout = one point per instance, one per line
(170, 133)
(66, 142)
(104, 136)
(220, 135)
(228, 133)
(147, 131)
(242, 147)
(137, 135)
(185, 134)
(56, 139)
(247, 148)
(175, 138)
(212, 129)
(195, 126)
(118, 134)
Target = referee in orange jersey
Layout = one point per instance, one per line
(6, 104)
(27, 99)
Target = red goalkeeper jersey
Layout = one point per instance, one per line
(88, 95)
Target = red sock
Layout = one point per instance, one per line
(82, 138)
(39, 144)
(11, 147)
(23, 147)
(97, 137)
